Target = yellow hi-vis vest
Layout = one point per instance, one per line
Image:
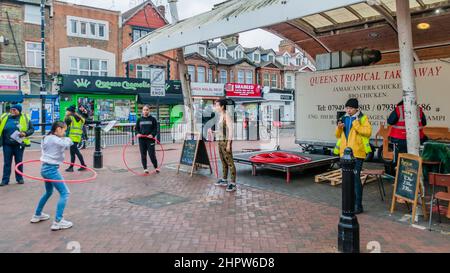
(365, 141)
(23, 122)
(76, 129)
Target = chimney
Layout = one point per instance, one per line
(286, 46)
(231, 40)
(162, 10)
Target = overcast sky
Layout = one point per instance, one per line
(188, 8)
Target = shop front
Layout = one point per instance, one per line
(10, 87)
(107, 98)
(279, 106)
(247, 99)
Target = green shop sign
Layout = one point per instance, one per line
(91, 84)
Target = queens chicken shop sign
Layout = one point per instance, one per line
(243, 90)
(207, 89)
(9, 81)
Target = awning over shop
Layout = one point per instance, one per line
(168, 99)
(11, 96)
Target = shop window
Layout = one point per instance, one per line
(142, 71)
(223, 76)
(249, 77)
(241, 76)
(88, 67)
(33, 54)
(201, 76)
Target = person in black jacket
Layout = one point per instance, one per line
(84, 112)
(147, 125)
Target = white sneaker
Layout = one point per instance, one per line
(37, 219)
(63, 224)
(146, 171)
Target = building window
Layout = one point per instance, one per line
(210, 75)
(298, 61)
(33, 54)
(139, 33)
(87, 28)
(266, 80)
(274, 81)
(33, 14)
(289, 81)
(256, 58)
(271, 58)
(88, 67)
(239, 54)
(231, 75)
(223, 76)
(191, 71)
(143, 71)
(286, 60)
(222, 53)
(201, 76)
(249, 77)
(241, 76)
(202, 51)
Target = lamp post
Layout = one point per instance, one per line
(43, 91)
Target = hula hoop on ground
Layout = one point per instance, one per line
(70, 181)
(129, 144)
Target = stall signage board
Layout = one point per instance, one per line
(9, 81)
(194, 153)
(407, 185)
(207, 89)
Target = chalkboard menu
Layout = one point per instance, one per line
(407, 178)
(407, 182)
(194, 152)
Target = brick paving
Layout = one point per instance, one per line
(201, 217)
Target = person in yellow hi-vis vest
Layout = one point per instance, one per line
(75, 123)
(354, 131)
(15, 128)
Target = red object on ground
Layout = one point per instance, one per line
(279, 157)
(129, 144)
(76, 181)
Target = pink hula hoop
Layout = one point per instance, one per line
(76, 181)
(129, 144)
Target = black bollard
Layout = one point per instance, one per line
(98, 156)
(348, 228)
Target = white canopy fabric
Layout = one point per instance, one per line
(228, 18)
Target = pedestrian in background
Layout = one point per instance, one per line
(53, 147)
(147, 128)
(75, 123)
(15, 128)
(354, 131)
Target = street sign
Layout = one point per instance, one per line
(158, 76)
(158, 91)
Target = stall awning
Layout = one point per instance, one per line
(169, 99)
(227, 18)
(11, 96)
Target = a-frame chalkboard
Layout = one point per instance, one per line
(194, 153)
(407, 185)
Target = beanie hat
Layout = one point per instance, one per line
(353, 103)
(71, 108)
(17, 106)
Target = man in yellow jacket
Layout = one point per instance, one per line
(354, 131)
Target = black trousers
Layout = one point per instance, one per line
(148, 146)
(74, 151)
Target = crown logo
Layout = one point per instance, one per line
(82, 83)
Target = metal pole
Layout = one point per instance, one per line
(98, 156)
(43, 91)
(348, 228)
(408, 76)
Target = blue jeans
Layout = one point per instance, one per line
(358, 185)
(49, 171)
(10, 151)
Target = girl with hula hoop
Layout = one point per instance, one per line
(53, 147)
(147, 128)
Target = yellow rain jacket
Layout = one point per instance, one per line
(358, 138)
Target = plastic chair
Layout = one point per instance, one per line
(440, 180)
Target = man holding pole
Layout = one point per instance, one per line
(354, 131)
